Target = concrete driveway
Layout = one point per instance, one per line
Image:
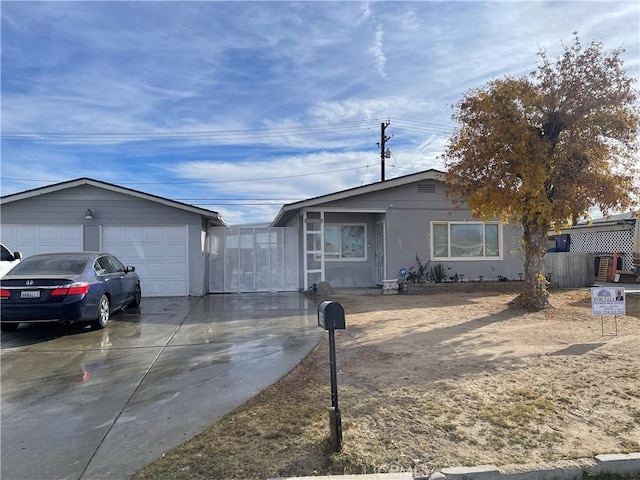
(82, 404)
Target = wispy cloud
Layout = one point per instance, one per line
(378, 51)
(282, 88)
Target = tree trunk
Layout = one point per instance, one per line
(535, 295)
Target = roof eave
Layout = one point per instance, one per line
(431, 174)
(209, 214)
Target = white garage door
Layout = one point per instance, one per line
(159, 253)
(32, 239)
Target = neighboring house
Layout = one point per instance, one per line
(362, 236)
(165, 240)
(608, 237)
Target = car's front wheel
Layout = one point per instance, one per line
(137, 297)
(104, 311)
(8, 327)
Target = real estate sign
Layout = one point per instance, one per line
(608, 301)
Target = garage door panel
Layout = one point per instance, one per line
(27, 234)
(161, 268)
(135, 233)
(157, 288)
(159, 253)
(43, 248)
(110, 234)
(134, 251)
(32, 239)
(153, 289)
(177, 286)
(49, 233)
(20, 233)
(117, 251)
(177, 236)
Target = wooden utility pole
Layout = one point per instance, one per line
(383, 152)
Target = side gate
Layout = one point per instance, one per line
(253, 259)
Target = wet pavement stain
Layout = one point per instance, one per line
(82, 404)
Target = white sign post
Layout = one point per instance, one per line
(608, 301)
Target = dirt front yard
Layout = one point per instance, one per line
(430, 381)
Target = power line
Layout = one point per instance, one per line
(422, 127)
(348, 124)
(228, 135)
(255, 134)
(207, 181)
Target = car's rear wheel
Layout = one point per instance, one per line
(137, 297)
(8, 327)
(104, 311)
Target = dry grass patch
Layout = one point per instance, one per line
(437, 380)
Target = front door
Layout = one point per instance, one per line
(380, 269)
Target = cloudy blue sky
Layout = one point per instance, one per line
(240, 107)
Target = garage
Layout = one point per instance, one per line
(32, 239)
(159, 253)
(164, 239)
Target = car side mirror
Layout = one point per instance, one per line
(17, 256)
(130, 269)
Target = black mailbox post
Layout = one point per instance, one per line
(331, 317)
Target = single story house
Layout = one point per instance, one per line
(164, 239)
(352, 238)
(364, 235)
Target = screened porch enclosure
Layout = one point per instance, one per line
(251, 259)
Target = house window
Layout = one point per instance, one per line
(345, 242)
(466, 240)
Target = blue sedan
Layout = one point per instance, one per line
(68, 288)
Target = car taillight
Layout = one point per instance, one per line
(4, 293)
(79, 288)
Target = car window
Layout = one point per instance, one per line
(117, 265)
(105, 266)
(50, 266)
(7, 256)
(98, 268)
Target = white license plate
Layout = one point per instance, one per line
(30, 294)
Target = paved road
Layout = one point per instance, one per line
(81, 404)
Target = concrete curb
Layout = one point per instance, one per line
(616, 464)
(623, 464)
(373, 476)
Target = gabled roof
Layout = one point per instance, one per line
(289, 210)
(56, 187)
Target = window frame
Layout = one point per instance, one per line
(331, 257)
(483, 257)
(103, 266)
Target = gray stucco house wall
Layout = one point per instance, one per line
(405, 209)
(133, 225)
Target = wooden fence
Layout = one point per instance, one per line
(570, 269)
